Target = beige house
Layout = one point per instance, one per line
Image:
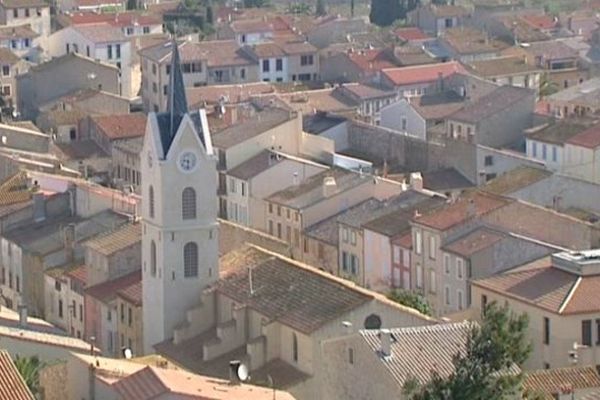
(508, 70)
(557, 295)
(582, 155)
(129, 324)
(127, 170)
(11, 67)
(63, 290)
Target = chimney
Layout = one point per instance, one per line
(22, 316)
(233, 371)
(329, 186)
(386, 342)
(416, 180)
(39, 207)
(69, 241)
(471, 209)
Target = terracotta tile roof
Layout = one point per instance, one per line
(422, 73)
(108, 291)
(465, 208)
(558, 132)
(418, 351)
(211, 94)
(124, 126)
(15, 189)
(472, 41)
(151, 382)
(502, 66)
(18, 31)
(540, 21)
(404, 241)
(23, 3)
(371, 60)
(515, 179)
(362, 91)
(491, 104)
(408, 34)
(132, 293)
(436, 106)
(12, 384)
(474, 242)
(523, 31)
(251, 26)
(121, 19)
(7, 57)
(79, 274)
(109, 243)
(552, 50)
(448, 10)
(590, 396)
(100, 33)
(295, 296)
(552, 382)
(266, 50)
(590, 138)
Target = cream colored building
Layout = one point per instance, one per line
(130, 321)
(582, 155)
(557, 294)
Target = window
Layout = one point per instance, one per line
(484, 301)
(279, 211)
(279, 230)
(345, 262)
(16, 13)
(146, 30)
(129, 316)
(6, 90)
(447, 264)
(265, 66)
(288, 234)
(586, 332)
(188, 203)
(122, 312)
(546, 330)
(243, 187)
(432, 281)
(74, 309)
(396, 255)
(73, 134)
(56, 284)
(489, 161)
(129, 31)
(432, 247)
(351, 356)
(270, 208)
(305, 245)
(345, 235)
(27, 12)
(6, 70)
(354, 264)
(459, 268)
(598, 332)
(109, 52)
(419, 276)
(153, 258)
(306, 60)
(404, 124)
(554, 154)
(534, 149)
(60, 309)
(108, 316)
(304, 77)
(270, 227)
(279, 64)
(151, 201)
(447, 295)
(17, 284)
(352, 237)
(418, 243)
(87, 51)
(294, 347)
(190, 260)
(243, 73)
(81, 312)
(544, 151)
(459, 296)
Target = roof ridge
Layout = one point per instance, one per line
(569, 295)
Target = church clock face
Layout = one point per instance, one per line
(187, 161)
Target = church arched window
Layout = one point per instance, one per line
(152, 258)
(190, 260)
(151, 201)
(188, 203)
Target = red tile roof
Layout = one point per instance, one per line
(422, 73)
(404, 241)
(116, 19)
(540, 21)
(474, 242)
(474, 205)
(371, 60)
(553, 382)
(132, 293)
(107, 291)
(79, 274)
(122, 126)
(12, 385)
(408, 34)
(590, 138)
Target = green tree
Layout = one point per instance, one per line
(320, 8)
(209, 14)
(410, 299)
(256, 3)
(132, 4)
(29, 368)
(547, 86)
(384, 12)
(483, 372)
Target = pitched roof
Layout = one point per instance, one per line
(79, 273)
(363, 92)
(435, 106)
(7, 57)
(558, 132)
(474, 242)
(119, 239)
(540, 21)
(151, 382)
(100, 33)
(298, 297)
(417, 351)
(371, 60)
(108, 291)
(17, 31)
(515, 179)
(551, 50)
(551, 382)
(422, 73)
(465, 208)
(587, 92)
(23, 3)
(491, 104)
(448, 10)
(121, 126)
(472, 41)
(589, 138)
(12, 384)
(15, 189)
(502, 66)
(132, 293)
(233, 94)
(411, 33)
(121, 19)
(445, 179)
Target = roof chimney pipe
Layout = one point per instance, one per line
(386, 342)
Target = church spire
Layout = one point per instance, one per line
(177, 105)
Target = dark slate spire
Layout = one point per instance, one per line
(177, 106)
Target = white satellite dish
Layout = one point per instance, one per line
(127, 353)
(242, 373)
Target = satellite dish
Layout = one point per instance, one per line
(127, 353)
(242, 373)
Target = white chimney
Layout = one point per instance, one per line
(386, 342)
(416, 180)
(329, 186)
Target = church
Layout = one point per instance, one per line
(202, 310)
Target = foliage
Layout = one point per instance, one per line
(482, 372)
(256, 3)
(209, 14)
(29, 368)
(352, 8)
(132, 4)
(547, 86)
(385, 12)
(410, 299)
(298, 9)
(320, 8)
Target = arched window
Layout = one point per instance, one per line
(373, 321)
(294, 347)
(190, 260)
(152, 258)
(151, 201)
(188, 203)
